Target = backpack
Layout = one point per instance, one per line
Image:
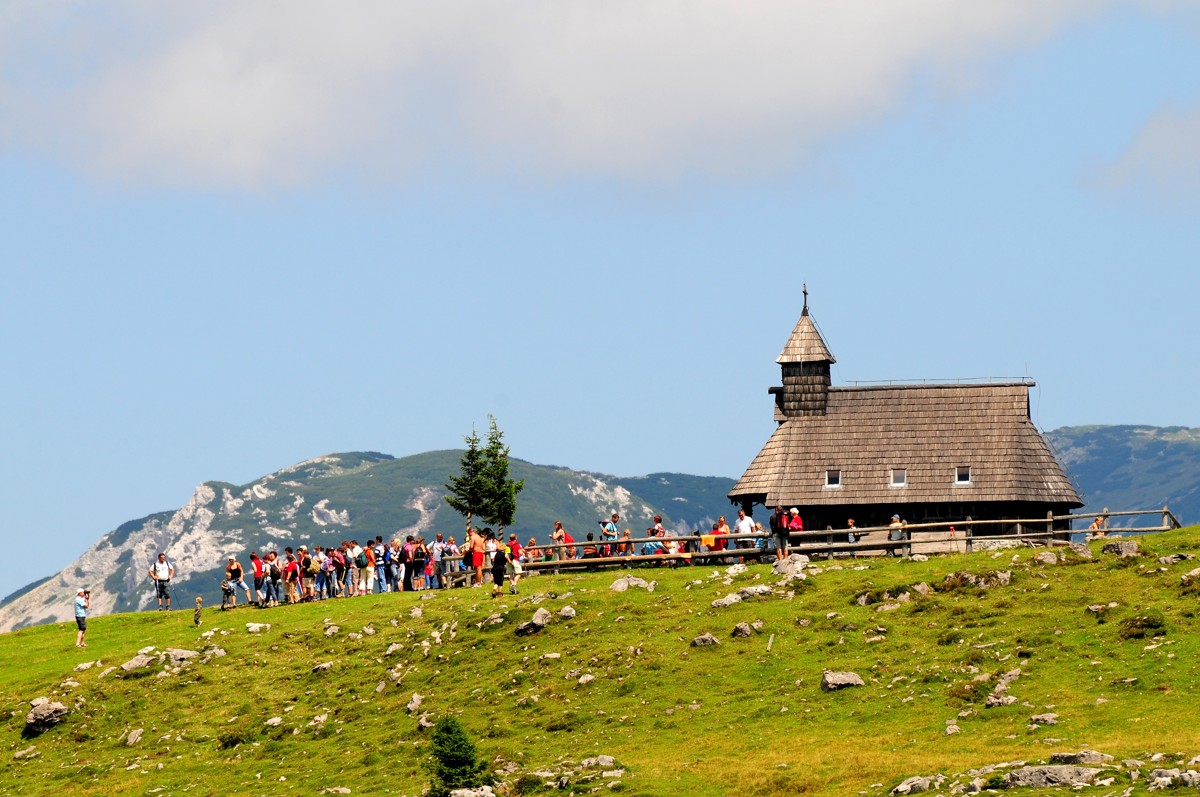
(360, 561)
(274, 572)
(312, 567)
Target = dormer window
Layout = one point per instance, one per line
(833, 478)
(898, 477)
(962, 474)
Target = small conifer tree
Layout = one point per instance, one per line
(501, 503)
(453, 762)
(468, 491)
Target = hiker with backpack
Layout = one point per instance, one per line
(356, 556)
(272, 576)
(308, 574)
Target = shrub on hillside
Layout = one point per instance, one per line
(453, 761)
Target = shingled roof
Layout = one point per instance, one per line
(928, 430)
(805, 344)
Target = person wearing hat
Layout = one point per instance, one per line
(233, 574)
(895, 532)
(83, 601)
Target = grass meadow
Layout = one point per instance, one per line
(745, 717)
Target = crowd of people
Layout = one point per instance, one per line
(301, 574)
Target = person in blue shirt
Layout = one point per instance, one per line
(83, 601)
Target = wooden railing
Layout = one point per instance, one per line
(940, 537)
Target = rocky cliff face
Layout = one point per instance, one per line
(116, 567)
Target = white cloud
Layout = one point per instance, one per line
(264, 94)
(1163, 160)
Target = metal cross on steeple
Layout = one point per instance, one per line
(805, 310)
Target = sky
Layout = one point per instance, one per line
(237, 235)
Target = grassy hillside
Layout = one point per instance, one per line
(732, 719)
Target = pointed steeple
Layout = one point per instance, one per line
(805, 362)
(806, 344)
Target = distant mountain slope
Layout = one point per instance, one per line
(1134, 467)
(342, 496)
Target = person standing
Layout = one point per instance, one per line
(437, 551)
(743, 525)
(609, 533)
(83, 601)
(162, 572)
(516, 559)
(779, 527)
(259, 577)
(234, 575)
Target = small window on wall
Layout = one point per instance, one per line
(962, 474)
(833, 478)
(899, 477)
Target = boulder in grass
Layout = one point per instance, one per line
(1126, 549)
(833, 681)
(1053, 775)
(44, 716)
(914, 785)
(705, 640)
(741, 630)
(1083, 757)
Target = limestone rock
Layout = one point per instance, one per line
(274, 722)
(328, 665)
(728, 600)
(330, 630)
(1049, 718)
(1189, 577)
(1046, 558)
(832, 681)
(914, 785)
(753, 591)
(705, 640)
(138, 662)
(28, 752)
(258, 628)
(1126, 549)
(586, 679)
(414, 705)
(625, 582)
(1052, 775)
(566, 612)
(741, 630)
(1085, 757)
(134, 737)
(44, 716)
(542, 617)
(179, 655)
(1082, 550)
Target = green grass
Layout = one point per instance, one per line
(734, 719)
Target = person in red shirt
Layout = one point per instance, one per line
(291, 578)
(259, 573)
(516, 558)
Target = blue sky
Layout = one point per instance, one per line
(239, 235)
